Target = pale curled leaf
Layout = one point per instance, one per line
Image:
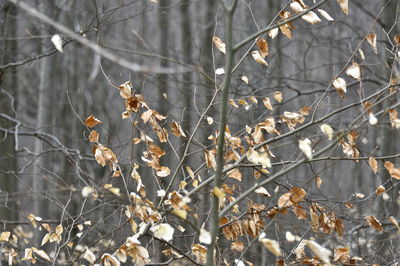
(259, 158)
(322, 252)
(311, 18)
(109, 260)
(258, 58)
(205, 236)
(262, 191)
(89, 256)
(273, 33)
(325, 15)
(278, 96)
(57, 42)
(373, 164)
(267, 103)
(327, 130)
(219, 71)
(296, 7)
(340, 85)
(394, 222)
(372, 119)
(354, 71)
(219, 44)
(163, 231)
(271, 245)
(305, 147)
(4, 236)
(344, 5)
(245, 79)
(41, 253)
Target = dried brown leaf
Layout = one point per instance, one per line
(92, 121)
(374, 223)
(263, 47)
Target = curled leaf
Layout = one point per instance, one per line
(219, 44)
(258, 58)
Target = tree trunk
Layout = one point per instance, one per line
(8, 86)
(44, 120)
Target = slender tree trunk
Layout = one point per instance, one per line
(44, 120)
(8, 85)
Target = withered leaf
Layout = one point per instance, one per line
(219, 44)
(94, 136)
(373, 164)
(374, 223)
(371, 38)
(344, 5)
(263, 47)
(92, 121)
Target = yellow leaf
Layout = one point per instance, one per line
(245, 79)
(219, 193)
(4, 236)
(233, 103)
(327, 130)
(181, 213)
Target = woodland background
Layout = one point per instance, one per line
(45, 96)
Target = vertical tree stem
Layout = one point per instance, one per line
(213, 224)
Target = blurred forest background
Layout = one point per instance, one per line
(45, 96)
